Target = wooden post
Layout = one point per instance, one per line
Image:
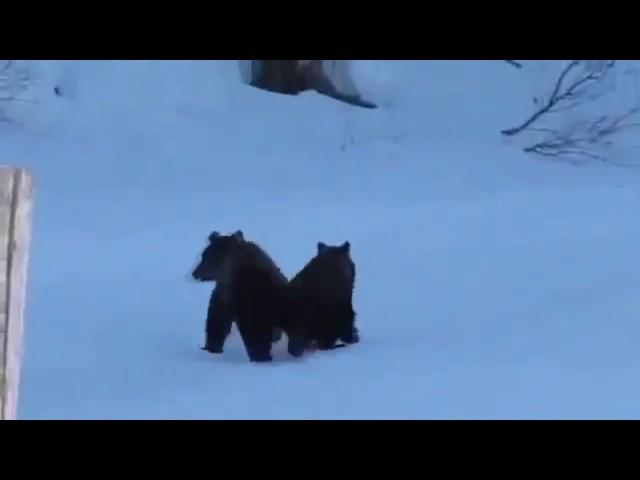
(15, 236)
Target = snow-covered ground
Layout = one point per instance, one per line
(490, 284)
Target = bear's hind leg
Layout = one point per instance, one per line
(276, 335)
(257, 341)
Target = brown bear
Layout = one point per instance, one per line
(250, 290)
(322, 293)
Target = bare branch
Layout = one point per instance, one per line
(514, 63)
(543, 130)
(558, 86)
(565, 97)
(563, 108)
(6, 65)
(584, 140)
(596, 138)
(549, 150)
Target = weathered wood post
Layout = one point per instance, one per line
(16, 196)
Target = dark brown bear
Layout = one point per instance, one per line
(322, 293)
(250, 290)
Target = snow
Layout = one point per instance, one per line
(490, 284)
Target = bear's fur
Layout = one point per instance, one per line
(322, 293)
(250, 290)
(220, 317)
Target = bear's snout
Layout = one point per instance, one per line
(197, 274)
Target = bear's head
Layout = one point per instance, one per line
(340, 254)
(217, 256)
(339, 250)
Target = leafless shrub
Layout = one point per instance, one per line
(587, 140)
(592, 137)
(14, 81)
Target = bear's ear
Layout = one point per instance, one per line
(213, 236)
(345, 247)
(239, 235)
(322, 247)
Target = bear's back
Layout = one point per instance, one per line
(252, 259)
(326, 279)
(257, 282)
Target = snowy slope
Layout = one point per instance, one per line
(490, 284)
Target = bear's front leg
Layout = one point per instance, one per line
(346, 320)
(219, 320)
(326, 342)
(352, 336)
